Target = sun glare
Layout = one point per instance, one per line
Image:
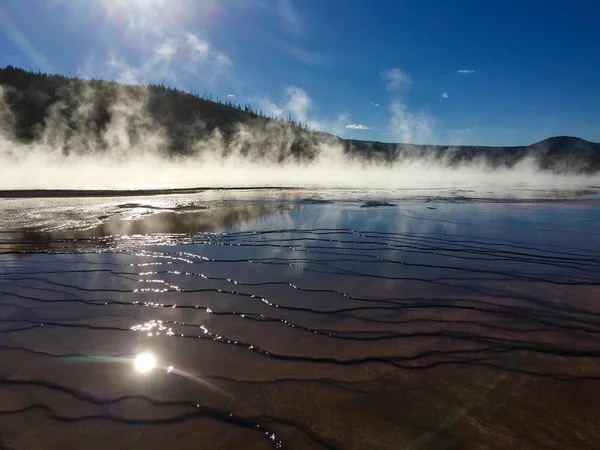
(142, 22)
(136, 3)
(139, 15)
(145, 362)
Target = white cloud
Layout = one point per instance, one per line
(357, 126)
(465, 71)
(413, 128)
(396, 79)
(373, 103)
(230, 95)
(444, 95)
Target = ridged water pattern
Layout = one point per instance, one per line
(305, 325)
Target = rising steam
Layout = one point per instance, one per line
(69, 151)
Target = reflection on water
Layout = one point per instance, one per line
(148, 222)
(306, 325)
(144, 362)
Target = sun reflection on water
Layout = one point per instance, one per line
(145, 362)
(153, 327)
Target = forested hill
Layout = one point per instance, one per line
(36, 106)
(82, 106)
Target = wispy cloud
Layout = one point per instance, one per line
(302, 54)
(465, 71)
(230, 95)
(396, 79)
(291, 18)
(202, 54)
(176, 60)
(444, 96)
(357, 126)
(285, 13)
(373, 103)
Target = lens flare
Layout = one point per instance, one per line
(145, 362)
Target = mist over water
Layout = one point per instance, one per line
(70, 152)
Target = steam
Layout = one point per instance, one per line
(298, 104)
(407, 126)
(70, 152)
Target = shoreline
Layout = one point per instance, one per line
(558, 194)
(82, 193)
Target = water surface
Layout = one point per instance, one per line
(300, 320)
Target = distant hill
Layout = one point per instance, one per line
(40, 102)
(560, 154)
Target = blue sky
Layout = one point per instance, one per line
(491, 72)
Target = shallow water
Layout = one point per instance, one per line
(300, 320)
